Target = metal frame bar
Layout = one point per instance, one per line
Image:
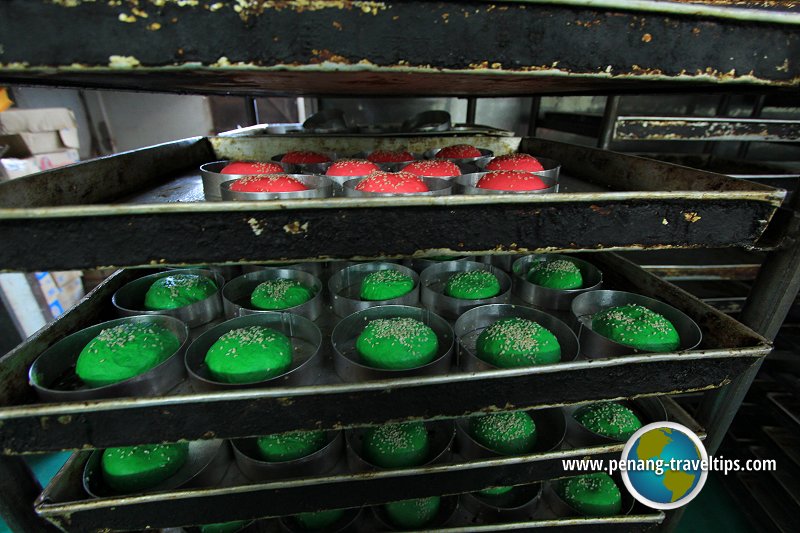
(772, 296)
(609, 120)
(19, 489)
(661, 128)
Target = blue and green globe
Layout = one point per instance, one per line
(675, 486)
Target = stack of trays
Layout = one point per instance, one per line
(323, 332)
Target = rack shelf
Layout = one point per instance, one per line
(125, 210)
(728, 350)
(492, 48)
(64, 502)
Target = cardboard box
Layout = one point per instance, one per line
(11, 168)
(61, 290)
(27, 144)
(30, 132)
(36, 120)
(55, 159)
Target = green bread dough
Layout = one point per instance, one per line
(559, 274)
(397, 445)
(495, 491)
(507, 433)
(515, 342)
(290, 446)
(123, 352)
(247, 355)
(319, 519)
(638, 327)
(472, 285)
(178, 290)
(136, 468)
(592, 494)
(397, 343)
(413, 513)
(226, 527)
(385, 285)
(610, 419)
(280, 294)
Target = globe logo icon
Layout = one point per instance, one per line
(664, 465)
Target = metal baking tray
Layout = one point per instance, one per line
(728, 349)
(146, 207)
(236, 498)
(372, 130)
(482, 48)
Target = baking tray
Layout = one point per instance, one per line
(371, 131)
(728, 349)
(725, 264)
(146, 207)
(482, 48)
(236, 498)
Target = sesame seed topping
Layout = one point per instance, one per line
(634, 318)
(253, 335)
(401, 330)
(276, 288)
(391, 182)
(111, 339)
(516, 335)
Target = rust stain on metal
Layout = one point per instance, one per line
(247, 8)
(646, 38)
(588, 24)
(328, 56)
(255, 225)
(209, 435)
(691, 217)
(600, 210)
(296, 228)
(789, 4)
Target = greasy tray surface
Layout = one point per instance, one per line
(743, 42)
(729, 348)
(126, 209)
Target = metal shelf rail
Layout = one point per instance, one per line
(614, 48)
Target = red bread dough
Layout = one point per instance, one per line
(525, 162)
(300, 157)
(458, 151)
(392, 182)
(434, 169)
(511, 180)
(389, 156)
(268, 183)
(351, 167)
(252, 167)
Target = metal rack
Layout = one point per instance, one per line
(42, 220)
